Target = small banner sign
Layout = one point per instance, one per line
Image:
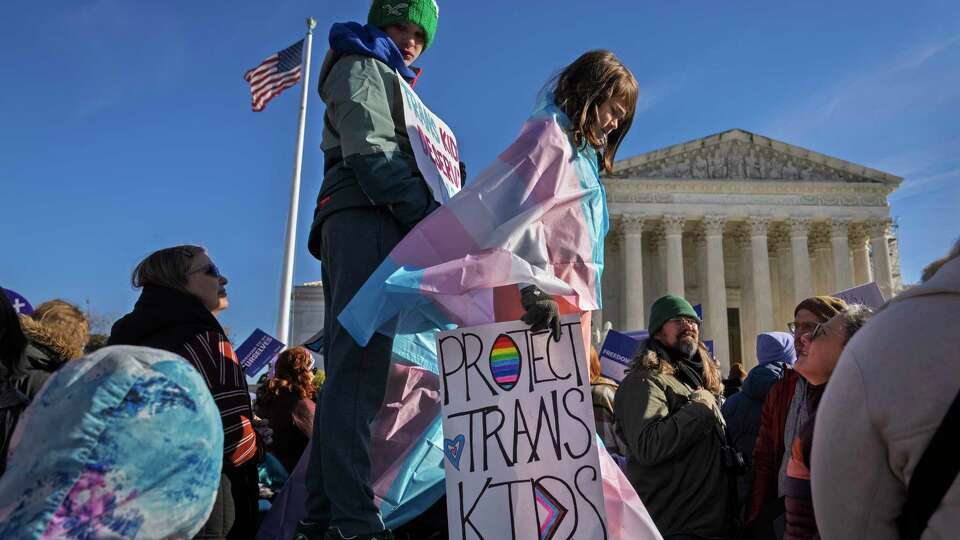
(868, 294)
(19, 303)
(257, 350)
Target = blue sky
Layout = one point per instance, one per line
(126, 127)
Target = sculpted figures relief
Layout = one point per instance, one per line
(734, 159)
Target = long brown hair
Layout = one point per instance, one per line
(293, 375)
(586, 84)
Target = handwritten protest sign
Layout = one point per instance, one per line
(19, 303)
(868, 294)
(434, 146)
(519, 435)
(257, 350)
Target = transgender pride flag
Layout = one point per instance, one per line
(537, 216)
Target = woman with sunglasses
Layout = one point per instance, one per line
(181, 290)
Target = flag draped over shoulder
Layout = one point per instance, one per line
(537, 216)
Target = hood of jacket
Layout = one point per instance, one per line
(47, 349)
(775, 347)
(163, 318)
(653, 358)
(365, 40)
(761, 379)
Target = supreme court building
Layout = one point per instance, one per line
(746, 226)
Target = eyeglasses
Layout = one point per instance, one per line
(818, 332)
(799, 329)
(211, 270)
(688, 321)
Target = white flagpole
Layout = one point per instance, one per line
(286, 286)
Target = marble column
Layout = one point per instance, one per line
(880, 248)
(633, 272)
(799, 251)
(760, 265)
(861, 256)
(715, 305)
(787, 299)
(842, 271)
(748, 328)
(822, 267)
(673, 232)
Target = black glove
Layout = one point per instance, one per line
(542, 311)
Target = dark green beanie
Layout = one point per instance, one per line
(383, 13)
(666, 308)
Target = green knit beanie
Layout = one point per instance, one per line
(383, 13)
(666, 308)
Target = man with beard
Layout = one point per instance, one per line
(666, 408)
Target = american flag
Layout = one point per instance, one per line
(274, 75)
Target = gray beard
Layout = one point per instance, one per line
(687, 346)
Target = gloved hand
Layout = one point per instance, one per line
(542, 311)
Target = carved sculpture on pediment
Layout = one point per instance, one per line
(700, 166)
(718, 164)
(735, 161)
(752, 165)
(790, 172)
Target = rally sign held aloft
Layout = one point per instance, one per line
(434, 146)
(257, 350)
(519, 436)
(867, 294)
(616, 353)
(19, 303)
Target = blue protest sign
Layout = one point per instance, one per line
(20, 304)
(257, 350)
(616, 353)
(709, 345)
(699, 309)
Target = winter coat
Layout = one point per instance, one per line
(674, 444)
(742, 414)
(171, 320)
(46, 352)
(368, 159)
(769, 449)
(887, 396)
(603, 392)
(291, 419)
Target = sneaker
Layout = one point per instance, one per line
(308, 530)
(335, 534)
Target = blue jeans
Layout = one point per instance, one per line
(354, 243)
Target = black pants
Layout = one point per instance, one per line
(234, 514)
(354, 243)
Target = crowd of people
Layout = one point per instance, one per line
(837, 432)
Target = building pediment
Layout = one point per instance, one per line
(737, 155)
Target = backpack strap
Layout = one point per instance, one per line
(935, 473)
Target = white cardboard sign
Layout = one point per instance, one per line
(434, 146)
(519, 434)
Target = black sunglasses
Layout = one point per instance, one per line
(211, 270)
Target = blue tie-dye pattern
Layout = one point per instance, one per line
(135, 452)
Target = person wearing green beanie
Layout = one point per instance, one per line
(668, 413)
(668, 307)
(372, 194)
(385, 13)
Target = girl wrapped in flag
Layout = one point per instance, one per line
(522, 240)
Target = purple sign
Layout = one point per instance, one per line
(257, 350)
(868, 295)
(616, 353)
(20, 304)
